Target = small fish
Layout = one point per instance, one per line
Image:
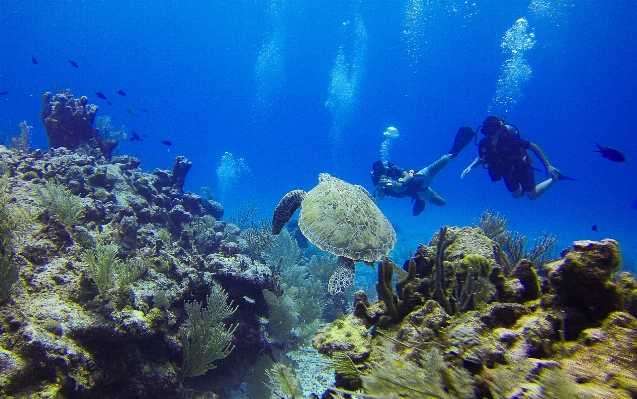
(34, 61)
(135, 136)
(120, 92)
(131, 111)
(73, 64)
(100, 95)
(2, 93)
(144, 110)
(165, 142)
(612, 154)
(108, 102)
(595, 227)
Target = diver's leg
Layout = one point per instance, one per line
(541, 189)
(432, 170)
(513, 184)
(430, 196)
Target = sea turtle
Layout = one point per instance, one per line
(342, 219)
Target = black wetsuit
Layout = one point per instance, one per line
(505, 156)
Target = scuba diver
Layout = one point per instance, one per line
(390, 179)
(505, 156)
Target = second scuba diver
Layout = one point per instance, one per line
(505, 156)
(390, 179)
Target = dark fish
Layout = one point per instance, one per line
(144, 110)
(100, 95)
(108, 102)
(34, 61)
(595, 227)
(611, 154)
(120, 92)
(165, 142)
(2, 93)
(135, 136)
(73, 64)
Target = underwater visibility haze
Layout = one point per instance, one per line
(201, 115)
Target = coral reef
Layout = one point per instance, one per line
(97, 301)
(116, 283)
(459, 327)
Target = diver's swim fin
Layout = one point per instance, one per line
(463, 138)
(419, 206)
(562, 176)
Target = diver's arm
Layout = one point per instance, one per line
(476, 162)
(553, 172)
(405, 179)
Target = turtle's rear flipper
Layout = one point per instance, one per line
(343, 276)
(285, 209)
(463, 138)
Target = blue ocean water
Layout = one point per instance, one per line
(295, 88)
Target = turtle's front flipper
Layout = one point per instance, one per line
(343, 276)
(285, 209)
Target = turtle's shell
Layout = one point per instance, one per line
(342, 219)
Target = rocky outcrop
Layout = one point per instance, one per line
(62, 337)
(69, 123)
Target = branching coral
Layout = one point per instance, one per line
(101, 263)
(245, 214)
(514, 243)
(540, 253)
(128, 272)
(207, 338)
(20, 142)
(283, 316)
(14, 222)
(61, 203)
(286, 251)
(493, 225)
(283, 382)
(397, 378)
(259, 237)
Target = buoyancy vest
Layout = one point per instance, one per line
(502, 151)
